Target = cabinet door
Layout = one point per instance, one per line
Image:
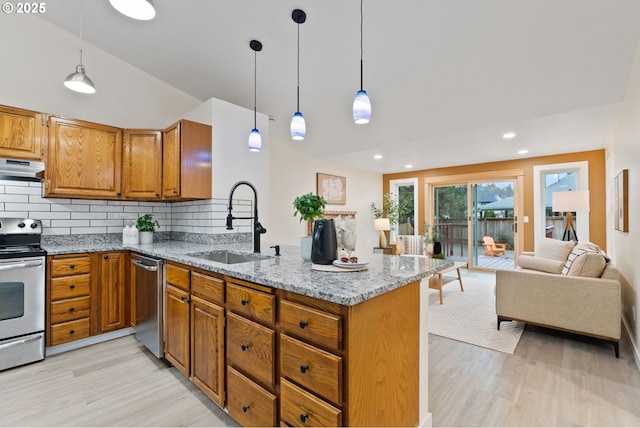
(207, 348)
(171, 162)
(21, 133)
(142, 163)
(84, 160)
(176, 345)
(112, 292)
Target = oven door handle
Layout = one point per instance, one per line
(20, 342)
(20, 265)
(146, 267)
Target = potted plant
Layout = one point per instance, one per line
(146, 224)
(432, 247)
(390, 209)
(309, 207)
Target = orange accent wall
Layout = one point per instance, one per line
(597, 187)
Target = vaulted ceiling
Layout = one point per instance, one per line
(446, 78)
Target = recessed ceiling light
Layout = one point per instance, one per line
(142, 10)
(523, 152)
(377, 156)
(408, 166)
(508, 135)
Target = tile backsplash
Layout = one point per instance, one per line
(88, 216)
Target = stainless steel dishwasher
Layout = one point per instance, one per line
(149, 274)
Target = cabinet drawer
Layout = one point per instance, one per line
(179, 277)
(250, 347)
(248, 403)
(70, 309)
(207, 287)
(300, 408)
(68, 331)
(252, 302)
(315, 369)
(70, 286)
(70, 266)
(308, 323)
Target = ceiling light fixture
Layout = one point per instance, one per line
(508, 135)
(141, 10)
(377, 156)
(255, 140)
(79, 81)
(298, 126)
(408, 166)
(523, 152)
(361, 103)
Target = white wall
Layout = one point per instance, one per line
(293, 174)
(623, 152)
(37, 57)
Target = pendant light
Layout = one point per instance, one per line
(255, 140)
(141, 10)
(79, 81)
(298, 126)
(361, 103)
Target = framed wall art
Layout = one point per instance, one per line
(332, 188)
(621, 201)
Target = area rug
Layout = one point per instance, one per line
(470, 316)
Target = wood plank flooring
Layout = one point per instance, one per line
(553, 379)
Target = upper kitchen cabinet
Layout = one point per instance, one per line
(84, 160)
(186, 161)
(142, 164)
(22, 133)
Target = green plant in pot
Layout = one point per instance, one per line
(309, 207)
(146, 224)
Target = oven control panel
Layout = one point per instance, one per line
(12, 226)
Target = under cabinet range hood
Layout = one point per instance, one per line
(21, 170)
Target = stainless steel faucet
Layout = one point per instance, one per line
(257, 227)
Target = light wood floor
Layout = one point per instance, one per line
(553, 379)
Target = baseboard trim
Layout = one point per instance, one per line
(634, 345)
(428, 421)
(92, 340)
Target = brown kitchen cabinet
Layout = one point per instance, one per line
(194, 336)
(22, 133)
(186, 161)
(84, 160)
(69, 294)
(142, 167)
(112, 288)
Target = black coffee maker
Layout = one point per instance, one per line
(324, 248)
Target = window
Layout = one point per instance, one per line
(406, 195)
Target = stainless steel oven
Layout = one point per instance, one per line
(22, 292)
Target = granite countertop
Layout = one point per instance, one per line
(288, 271)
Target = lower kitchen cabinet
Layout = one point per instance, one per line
(176, 342)
(113, 289)
(249, 403)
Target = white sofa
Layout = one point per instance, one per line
(563, 286)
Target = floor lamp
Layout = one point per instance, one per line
(569, 202)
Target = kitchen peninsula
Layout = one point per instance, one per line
(302, 347)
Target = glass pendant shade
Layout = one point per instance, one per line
(79, 81)
(141, 10)
(255, 141)
(298, 126)
(361, 108)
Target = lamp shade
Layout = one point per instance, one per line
(255, 141)
(298, 126)
(79, 81)
(382, 224)
(575, 200)
(142, 10)
(361, 108)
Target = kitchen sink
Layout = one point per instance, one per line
(229, 257)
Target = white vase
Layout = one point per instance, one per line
(305, 247)
(428, 249)
(146, 237)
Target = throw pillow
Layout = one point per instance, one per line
(540, 263)
(585, 259)
(554, 249)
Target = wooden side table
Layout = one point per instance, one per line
(436, 281)
(383, 250)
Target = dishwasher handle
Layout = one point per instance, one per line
(146, 267)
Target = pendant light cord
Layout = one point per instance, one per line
(81, 29)
(361, 67)
(298, 93)
(255, 86)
